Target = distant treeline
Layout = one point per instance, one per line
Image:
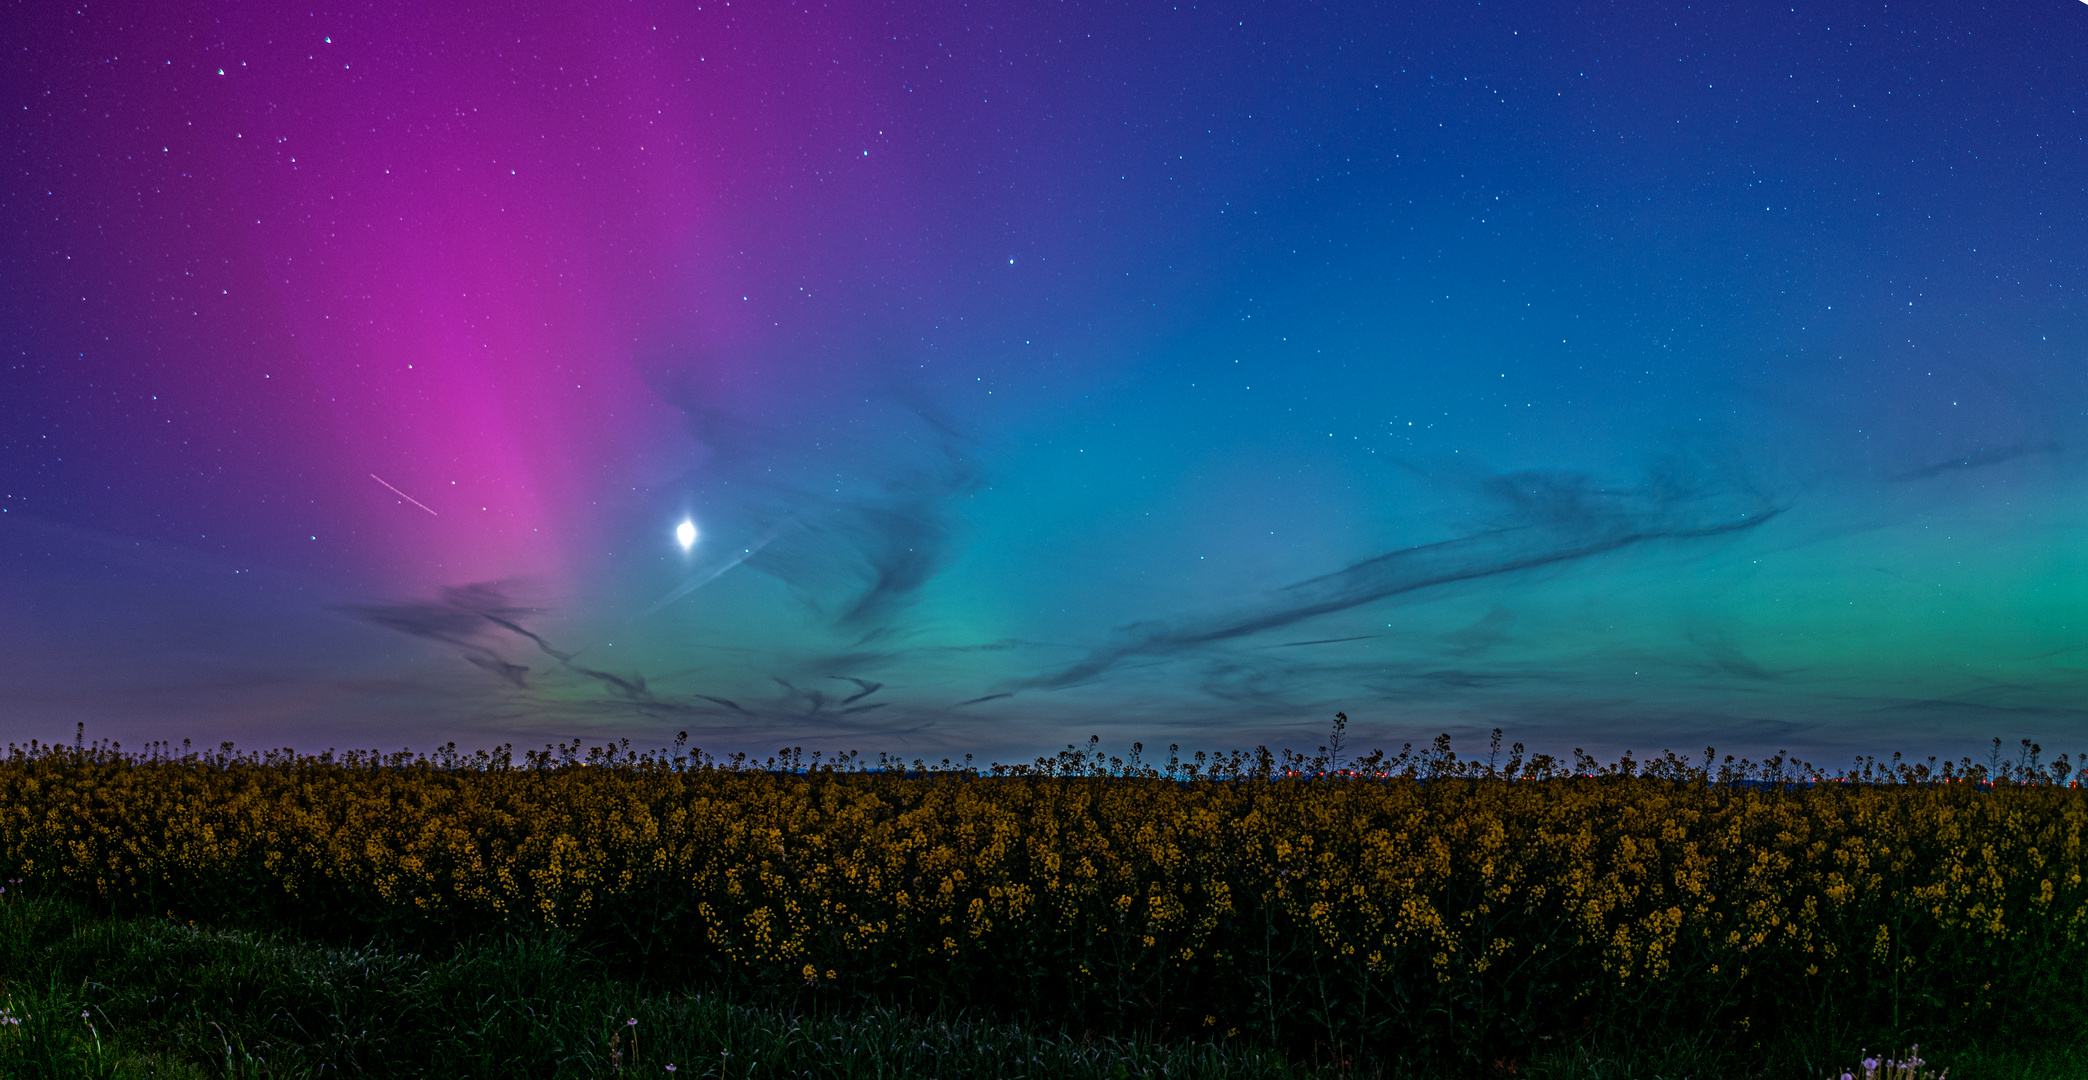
(2025, 766)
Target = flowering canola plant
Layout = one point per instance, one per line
(1409, 899)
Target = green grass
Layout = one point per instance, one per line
(163, 999)
(170, 1000)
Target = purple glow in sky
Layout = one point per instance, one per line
(1622, 376)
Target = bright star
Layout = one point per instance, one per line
(685, 534)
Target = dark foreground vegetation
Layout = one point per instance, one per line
(90, 997)
(1416, 914)
(163, 999)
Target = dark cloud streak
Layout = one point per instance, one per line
(1979, 458)
(861, 550)
(1562, 518)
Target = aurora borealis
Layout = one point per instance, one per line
(1622, 376)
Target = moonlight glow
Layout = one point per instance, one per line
(685, 534)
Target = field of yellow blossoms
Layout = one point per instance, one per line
(1413, 899)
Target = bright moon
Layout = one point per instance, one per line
(685, 534)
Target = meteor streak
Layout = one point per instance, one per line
(403, 495)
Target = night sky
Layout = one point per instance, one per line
(1619, 375)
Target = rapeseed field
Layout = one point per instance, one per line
(1417, 904)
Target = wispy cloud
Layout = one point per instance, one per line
(1546, 519)
(866, 501)
(482, 622)
(864, 557)
(1979, 457)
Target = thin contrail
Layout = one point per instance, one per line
(403, 495)
(700, 580)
